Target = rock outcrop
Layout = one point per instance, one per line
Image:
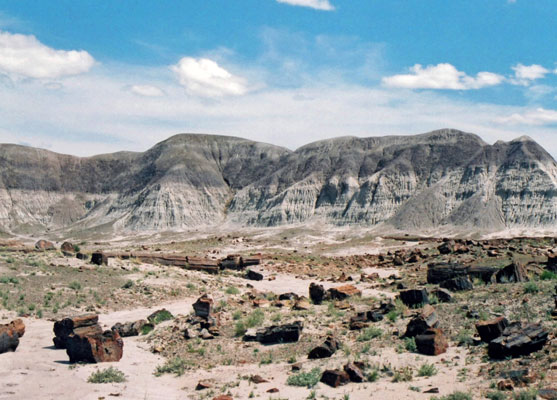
(445, 178)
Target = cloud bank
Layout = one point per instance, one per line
(324, 5)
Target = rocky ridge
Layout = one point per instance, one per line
(437, 179)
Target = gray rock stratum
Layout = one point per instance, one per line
(445, 178)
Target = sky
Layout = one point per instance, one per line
(86, 77)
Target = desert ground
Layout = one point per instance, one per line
(183, 354)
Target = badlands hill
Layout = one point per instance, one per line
(445, 178)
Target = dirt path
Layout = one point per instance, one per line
(37, 370)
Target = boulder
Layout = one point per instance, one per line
(414, 297)
(425, 320)
(288, 296)
(99, 258)
(44, 245)
(316, 293)
(254, 275)
(276, 334)
(327, 349)
(202, 307)
(81, 256)
(80, 325)
(457, 284)
(67, 247)
(105, 347)
(128, 329)
(335, 378)
(443, 295)
(354, 372)
(446, 247)
(516, 341)
(552, 263)
(489, 330)
(432, 342)
(343, 292)
(514, 272)
(301, 304)
(10, 334)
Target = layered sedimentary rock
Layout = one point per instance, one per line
(443, 178)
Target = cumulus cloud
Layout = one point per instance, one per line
(539, 116)
(324, 5)
(525, 74)
(147, 90)
(23, 56)
(204, 77)
(441, 76)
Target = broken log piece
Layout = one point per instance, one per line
(252, 260)
(99, 258)
(440, 272)
(103, 347)
(232, 261)
(10, 334)
(82, 325)
(492, 329)
(518, 341)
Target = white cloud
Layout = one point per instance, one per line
(441, 76)
(204, 77)
(147, 90)
(324, 5)
(539, 116)
(24, 56)
(525, 74)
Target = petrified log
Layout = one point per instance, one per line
(67, 247)
(10, 334)
(443, 295)
(327, 349)
(343, 292)
(128, 329)
(489, 330)
(316, 293)
(105, 347)
(202, 307)
(252, 260)
(518, 341)
(287, 333)
(422, 322)
(44, 245)
(232, 261)
(81, 325)
(514, 272)
(457, 284)
(99, 258)
(254, 275)
(414, 297)
(354, 371)
(437, 273)
(432, 342)
(335, 377)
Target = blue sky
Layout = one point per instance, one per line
(85, 77)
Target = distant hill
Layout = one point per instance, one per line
(444, 178)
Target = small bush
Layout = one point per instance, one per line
(457, 396)
(410, 344)
(75, 285)
(146, 329)
(232, 290)
(240, 329)
(464, 338)
(531, 288)
(9, 279)
(128, 284)
(109, 375)
(548, 276)
(307, 379)
(373, 375)
(176, 365)
(427, 370)
(531, 394)
(497, 395)
(403, 375)
(162, 316)
(370, 333)
(256, 318)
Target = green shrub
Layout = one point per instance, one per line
(410, 344)
(403, 375)
(531, 394)
(427, 370)
(370, 333)
(232, 290)
(307, 379)
(256, 318)
(531, 288)
(146, 329)
(75, 285)
(548, 276)
(108, 375)
(240, 329)
(496, 395)
(373, 375)
(163, 315)
(176, 365)
(128, 284)
(457, 396)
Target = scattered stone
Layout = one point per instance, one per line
(443, 295)
(81, 256)
(99, 258)
(432, 390)
(44, 245)
(128, 329)
(354, 372)
(202, 307)
(254, 275)
(67, 247)
(548, 393)
(489, 330)
(273, 390)
(301, 304)
(287, 333)
(316, 293)
(432, 342)
(414, 297)
(335, 378)
(327, 349)
(458, 284)
(105, 347)
(446, 247)
(517, 341)
(425, 320)
(204, 384)
(223, 397)
(257, 379)
(343, 292)
(289, 296)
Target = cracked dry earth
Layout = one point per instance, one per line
(42, 288)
